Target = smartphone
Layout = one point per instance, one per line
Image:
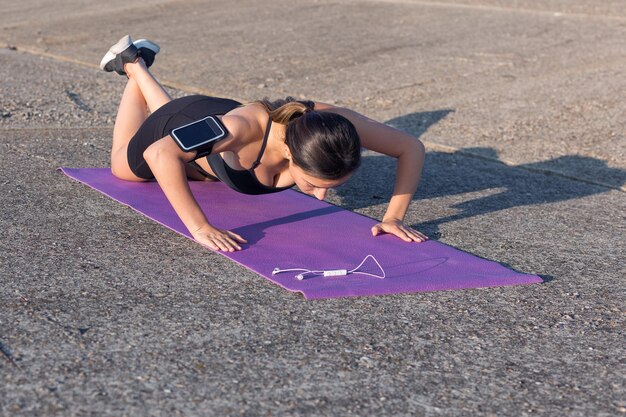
(199, 134)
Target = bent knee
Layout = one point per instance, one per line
(124, 173)
(120, 168)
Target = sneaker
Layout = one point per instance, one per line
(123, 52)
(147, 50)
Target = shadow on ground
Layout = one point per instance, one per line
(483, 186)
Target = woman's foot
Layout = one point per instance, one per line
(147, 50)
(126, 51)
(138, 65)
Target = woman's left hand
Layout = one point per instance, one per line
(397, 228)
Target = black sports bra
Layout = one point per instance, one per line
(241, 180)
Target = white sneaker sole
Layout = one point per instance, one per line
(144, 43)
(119, 47)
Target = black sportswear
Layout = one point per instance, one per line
(185, 110)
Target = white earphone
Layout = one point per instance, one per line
(333, 272)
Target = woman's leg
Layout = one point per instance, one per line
(153, 92)
(142, 89)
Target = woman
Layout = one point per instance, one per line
(271, 146)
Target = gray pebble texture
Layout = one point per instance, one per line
(522, 108)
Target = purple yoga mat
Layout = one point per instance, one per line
(292, 230)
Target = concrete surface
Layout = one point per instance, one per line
(521, 105)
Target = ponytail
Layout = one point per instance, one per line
(286, 110)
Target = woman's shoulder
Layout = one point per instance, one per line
(320, 106)
(331, 108)
(356, 118)
(246, 123)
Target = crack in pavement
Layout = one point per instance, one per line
(7, 354)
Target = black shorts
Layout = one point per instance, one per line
(176, 113)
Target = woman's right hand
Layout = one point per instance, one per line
(217, 239)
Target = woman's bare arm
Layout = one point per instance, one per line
(167, 162)
(409, 152)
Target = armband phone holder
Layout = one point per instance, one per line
(199, 136)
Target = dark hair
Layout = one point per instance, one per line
(323, 144)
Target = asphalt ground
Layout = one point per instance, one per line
(520, 104)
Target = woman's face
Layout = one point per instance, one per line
(311, 185)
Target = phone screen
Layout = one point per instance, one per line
(198, 133)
